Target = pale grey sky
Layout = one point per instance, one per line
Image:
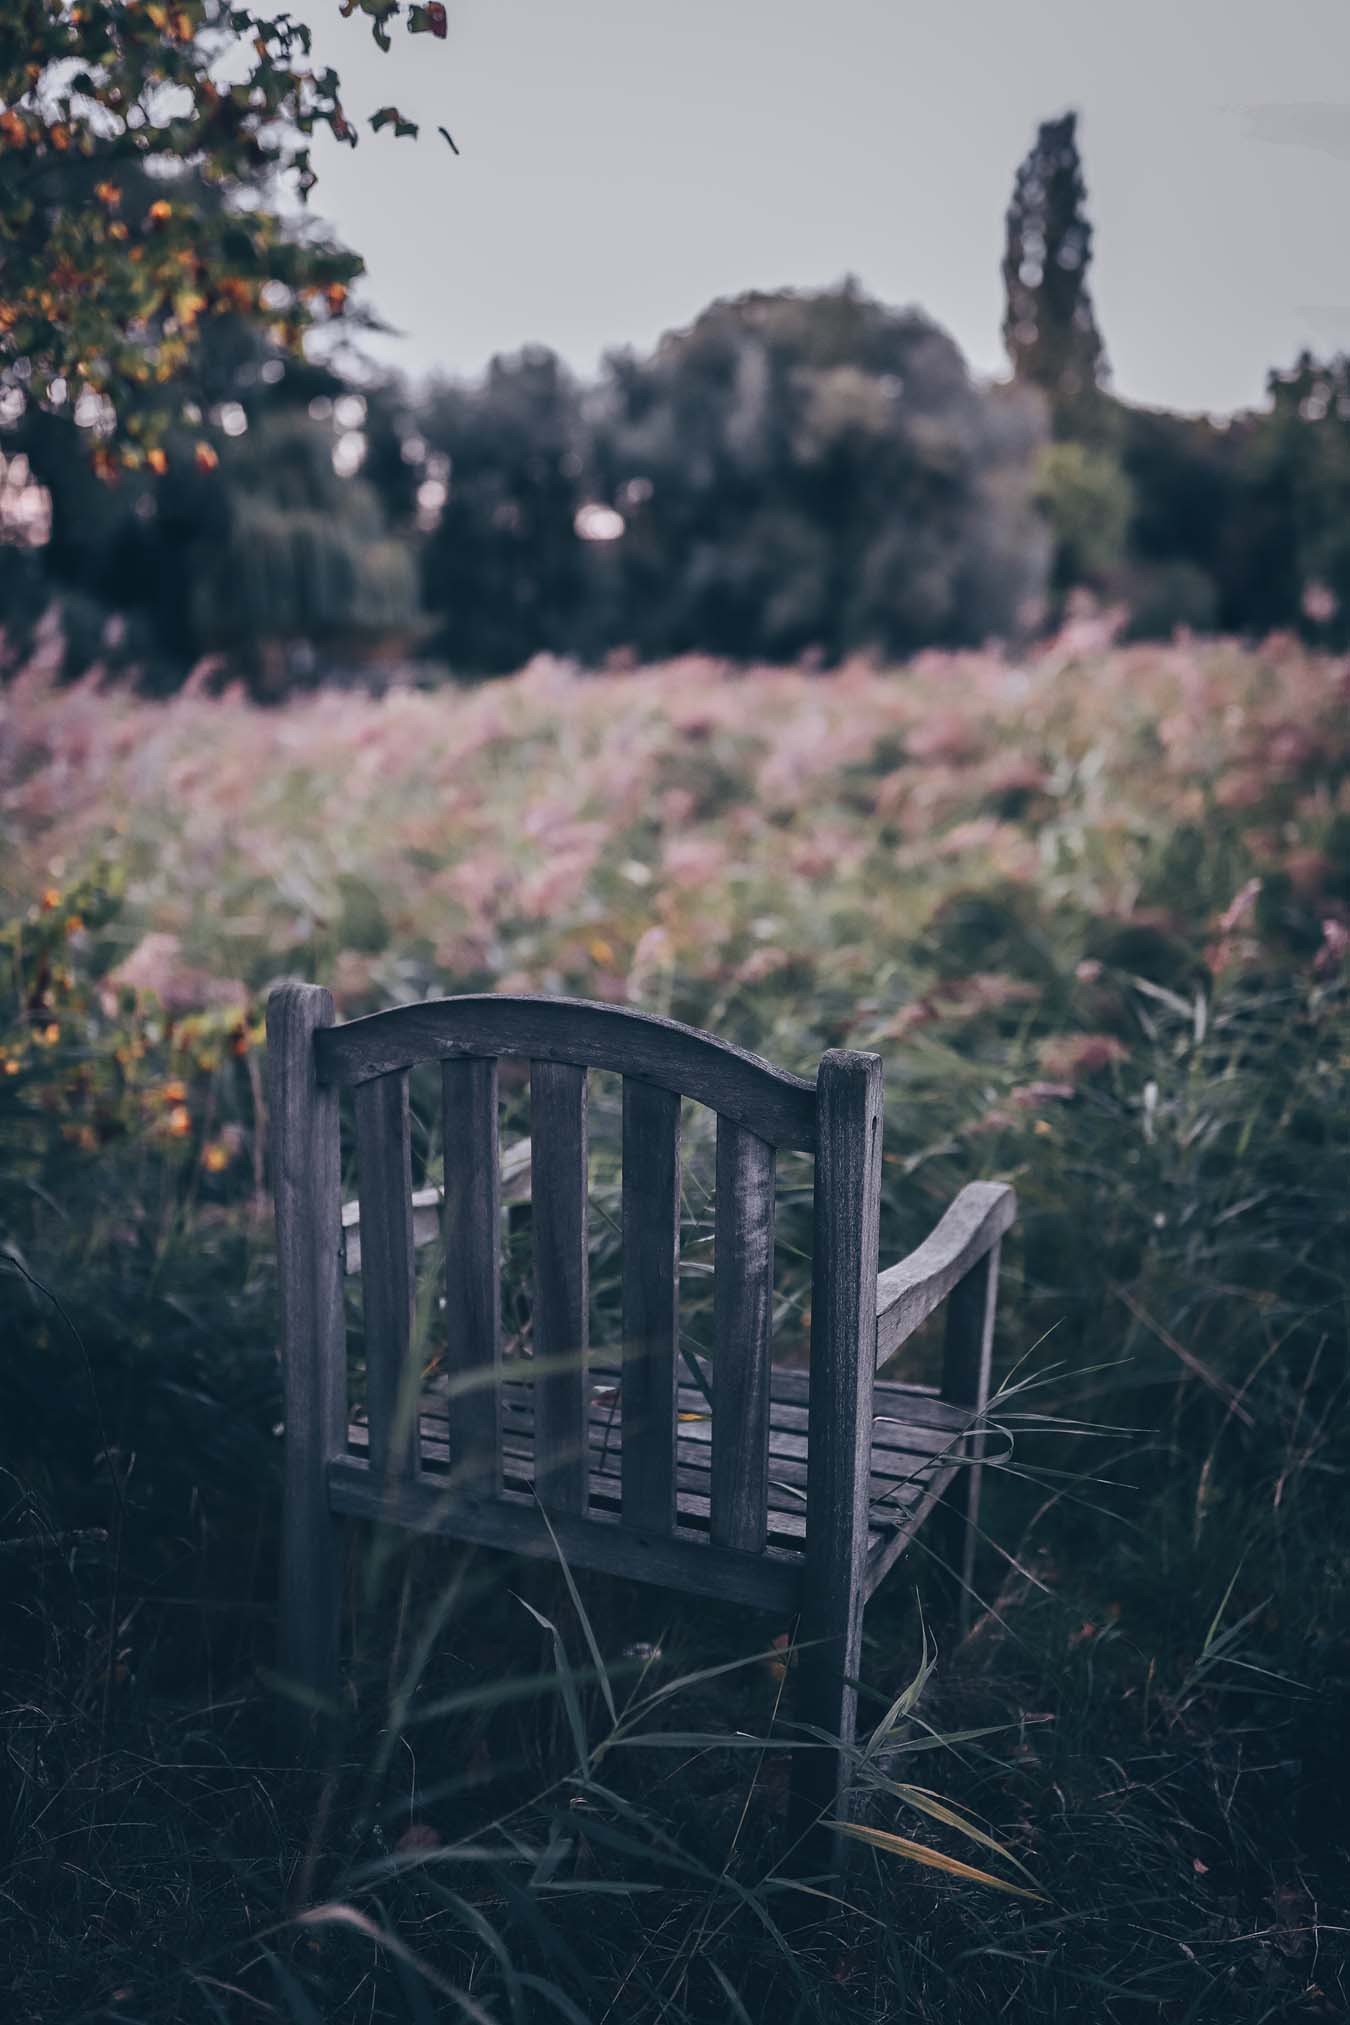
(625, 161)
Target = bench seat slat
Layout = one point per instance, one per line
(903, 1483)
(513, 1520)
(902, 1424)
(893, 1492)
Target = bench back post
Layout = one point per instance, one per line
(843, 1366)
(384, 1183)
(471, 1224)
(306, 1183)
(651, 1303)
(558, 1177)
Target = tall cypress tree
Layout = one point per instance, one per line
(1049, 326)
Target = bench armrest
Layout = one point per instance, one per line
(907, 1293)
(426, 1205)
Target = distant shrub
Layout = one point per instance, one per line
(1166, 598)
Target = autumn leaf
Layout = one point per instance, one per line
(389, 115)
(428, 20)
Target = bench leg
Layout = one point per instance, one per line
(306, 1184)
(965, 1382)
(311, 1583)
(829, 1658)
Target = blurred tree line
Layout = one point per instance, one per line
(1228, 523)
(794, 475)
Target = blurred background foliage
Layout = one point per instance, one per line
(794, 475)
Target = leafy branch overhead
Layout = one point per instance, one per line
(144, 147)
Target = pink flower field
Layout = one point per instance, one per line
(784, 853)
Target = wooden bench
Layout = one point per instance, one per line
(793, 1491)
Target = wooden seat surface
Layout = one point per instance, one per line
(917, 1439)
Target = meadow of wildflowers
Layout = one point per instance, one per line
(769, 846)
(1093, 908)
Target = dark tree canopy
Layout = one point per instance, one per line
(815, 472)
(1049, 326)
(504, 569)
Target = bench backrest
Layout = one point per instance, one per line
(759, 1109)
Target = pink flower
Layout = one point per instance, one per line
(1065, 1057)
(1240, 906)
(946, 735)
(694, 860)
(1334, 949)
(1030, 1096)
(158, 967)
(761, 963)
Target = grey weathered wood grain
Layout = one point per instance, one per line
(894, 1496)
(742, 1319)
(693, 1507)
(906, 1419)
(561, 1280)
(843, 1368)
(779, 1107)
(908, 1293)
(800, 1490)
(897, 1439)
(384, 1186)
(767, 1581)
(966, 1363)
(306, 1186)
(473, 1286)
(651, 1301)
(428, 1221)
(913, 1405)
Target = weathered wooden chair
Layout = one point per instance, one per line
(637, 1476)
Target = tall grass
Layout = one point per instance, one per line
(1094, 912)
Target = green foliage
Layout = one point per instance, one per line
(1209, 503)
(1095, 913)
(1088, 503)
(814, 472)
(131, 1180)
(1049, 326)
(503, 569)
(1308, 457)
(249, 543)
(304, 555)
(792, 474)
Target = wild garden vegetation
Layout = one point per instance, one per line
(1093, 908)
(1090, 900)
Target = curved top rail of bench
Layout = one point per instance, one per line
(779, 1107)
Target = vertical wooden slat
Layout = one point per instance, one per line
(473, 1285)
(561, 1281)
(843, 1365)
(742, 1315)
(651, 1302)
(966, 1360)
(307, 1188)
(384, 1187)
